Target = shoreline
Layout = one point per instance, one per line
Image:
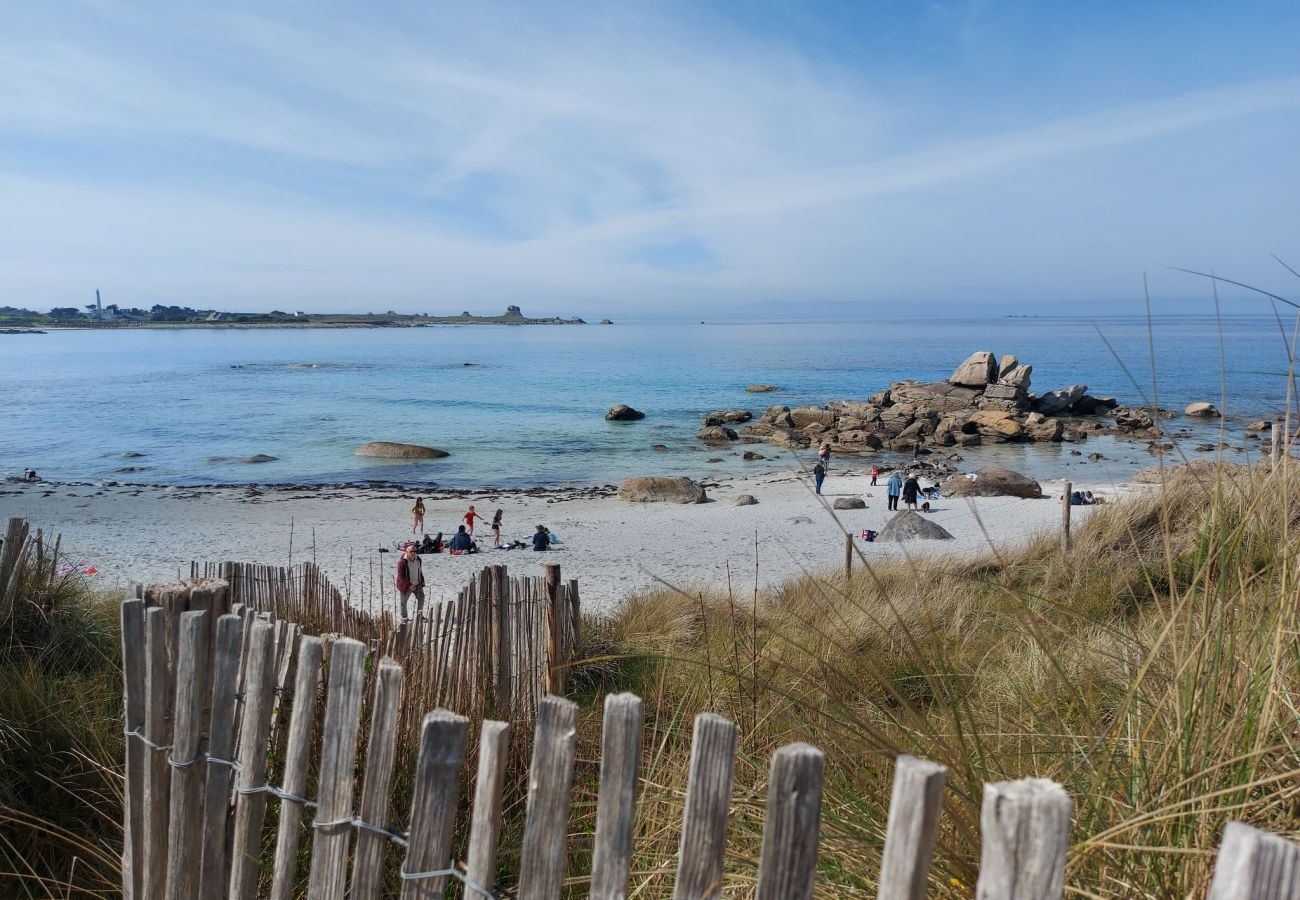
(614, 548)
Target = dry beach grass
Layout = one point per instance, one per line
(1153, 671)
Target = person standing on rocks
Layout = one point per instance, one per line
(410, 580)
(893, 489)
(417, 516)
(819, 475)
(911, 489)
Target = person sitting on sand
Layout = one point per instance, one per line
(430, 545)
(541, 538)
(461, 542)
(911, 488)
(410, 580)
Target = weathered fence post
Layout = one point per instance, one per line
(433, 804)
(787, 867)
(1255, 865)
(485, 827)
(913, 823)
(367, 866)
(186, 816)
(250, 786)
(848, 555)
(221, 745)
(543, 861)
(338, 757)
(505, 660)
(620, 759)
(157, 786)
(1065, 516)
(1275, 451)
(1025, 830)
(708, 798)
(133, 666)
(297, 747)
(554, 631)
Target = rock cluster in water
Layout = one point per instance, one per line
(985, 400)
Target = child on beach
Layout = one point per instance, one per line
(496, 530)
(875, 473)
(824, 456)
(470, 516)
(417, 516)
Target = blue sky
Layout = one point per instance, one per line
(646, 160)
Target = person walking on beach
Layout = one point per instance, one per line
(469, 520)
(496, 530)
(893, 489)
(875, 473)
(417, 516)
(410, 580)
(911, 488)
(819, 475)
(824, 456)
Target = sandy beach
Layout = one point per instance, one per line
(612, 547)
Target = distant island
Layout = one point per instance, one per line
(95, 315)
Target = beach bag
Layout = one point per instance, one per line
(868, 535)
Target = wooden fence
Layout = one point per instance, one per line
(201, 689)
(496, 649)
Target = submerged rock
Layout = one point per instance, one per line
(1202, 411)
(621, 412)
(761, 388)
(391, 450)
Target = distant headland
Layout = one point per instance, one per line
(95, 315)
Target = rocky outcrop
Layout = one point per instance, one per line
(761, 388)
(992, 482)
(1202, 411)
(979, 369)
(716, 434)
(390, 450)
(911, 526)
(621, 412)
(728, 417)
(662, 489)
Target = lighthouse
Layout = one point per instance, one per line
(99, 307)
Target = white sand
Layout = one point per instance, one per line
(613, 548)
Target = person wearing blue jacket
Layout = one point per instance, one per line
(894, 490)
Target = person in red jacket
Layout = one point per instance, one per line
(410, 579)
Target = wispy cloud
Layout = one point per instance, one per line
(435, 156)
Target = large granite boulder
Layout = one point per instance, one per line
(621, 412)
(1016, 376)
(1045, 430)
(716, 434)
(1006, 364)
(793, 440)
(978, 370)
(1201, 411)
(1132, 419)
(938, 396)
(390, 450)
(911, 526)
(849, 503)
(662, 489)
(804, 416)
(1054, 402)
(992, 482)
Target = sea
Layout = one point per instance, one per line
(523, 406)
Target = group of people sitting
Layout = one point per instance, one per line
(463, 542)
(1083, 498)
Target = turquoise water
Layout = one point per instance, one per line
(529, 410)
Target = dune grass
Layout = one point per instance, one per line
(1154, 671)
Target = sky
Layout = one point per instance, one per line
(648, 160)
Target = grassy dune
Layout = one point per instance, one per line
(1155, 671)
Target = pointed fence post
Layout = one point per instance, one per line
(297, 748)
(1255, 865)
(368, 865)
(157, 730)
(708, 799)
(184, 851)
(543, 861)
(255, 728)
(1025, 830)
(787, 868)
(620, 759)
(913, 823)
(554, 631)
(221, 746)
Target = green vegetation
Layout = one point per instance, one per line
(1153, 671)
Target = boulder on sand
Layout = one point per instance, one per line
(390, 450)
(1201, 411)
(744, 500)
(849, 503)
(979, 369)
(911, 526)
(662, 489)
(992, 482)
(621, 412)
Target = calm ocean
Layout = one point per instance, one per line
(529, 410)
